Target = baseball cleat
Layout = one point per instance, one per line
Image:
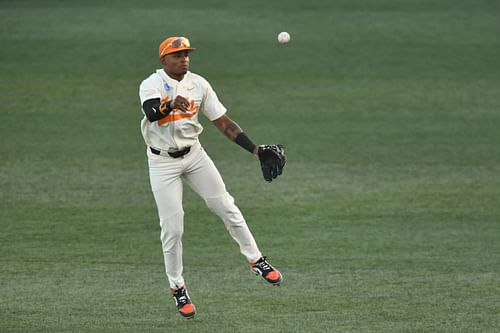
(184, 305)
(269, 273)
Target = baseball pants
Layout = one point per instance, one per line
(167, 175)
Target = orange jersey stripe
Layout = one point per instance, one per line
(173, 116)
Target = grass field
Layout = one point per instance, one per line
(387, 218)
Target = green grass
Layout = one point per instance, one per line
(387, 218)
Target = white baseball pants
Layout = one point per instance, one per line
(199, 172)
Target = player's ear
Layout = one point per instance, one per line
(163, 60)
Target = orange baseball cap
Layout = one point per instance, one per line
(174, 44)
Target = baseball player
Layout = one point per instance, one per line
(172, 99)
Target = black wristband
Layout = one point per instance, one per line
(243, 140)
(170, 106)
(151, 109)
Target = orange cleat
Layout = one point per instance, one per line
(184, 305)
(269, 273)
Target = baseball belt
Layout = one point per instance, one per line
(174, 154)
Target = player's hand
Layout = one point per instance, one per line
(180, 103)
(272, 160)
(165, 106)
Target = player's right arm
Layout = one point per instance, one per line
(156, 108)
(153, 105)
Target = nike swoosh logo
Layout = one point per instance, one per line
(154, 110)
(189, 89)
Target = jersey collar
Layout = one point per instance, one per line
(168, 79)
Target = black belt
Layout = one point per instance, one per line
(174, 154)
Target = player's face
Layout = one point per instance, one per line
(176, 64)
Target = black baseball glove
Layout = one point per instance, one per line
(272, 160)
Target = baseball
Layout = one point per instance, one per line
(283, 37)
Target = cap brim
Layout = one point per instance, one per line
(180, 50)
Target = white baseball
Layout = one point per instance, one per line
(283, 37)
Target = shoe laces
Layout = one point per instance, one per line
(263, 265)
(181, 296)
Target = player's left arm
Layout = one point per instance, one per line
(233, 132)
(272, 157)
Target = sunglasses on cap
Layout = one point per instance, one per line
(181, 41)
(174, 44)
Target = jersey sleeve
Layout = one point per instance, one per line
(211, 106)
(150, 88)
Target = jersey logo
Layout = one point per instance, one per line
(167, 87)
(175, 114)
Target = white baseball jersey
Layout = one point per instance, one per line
(179, 129)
